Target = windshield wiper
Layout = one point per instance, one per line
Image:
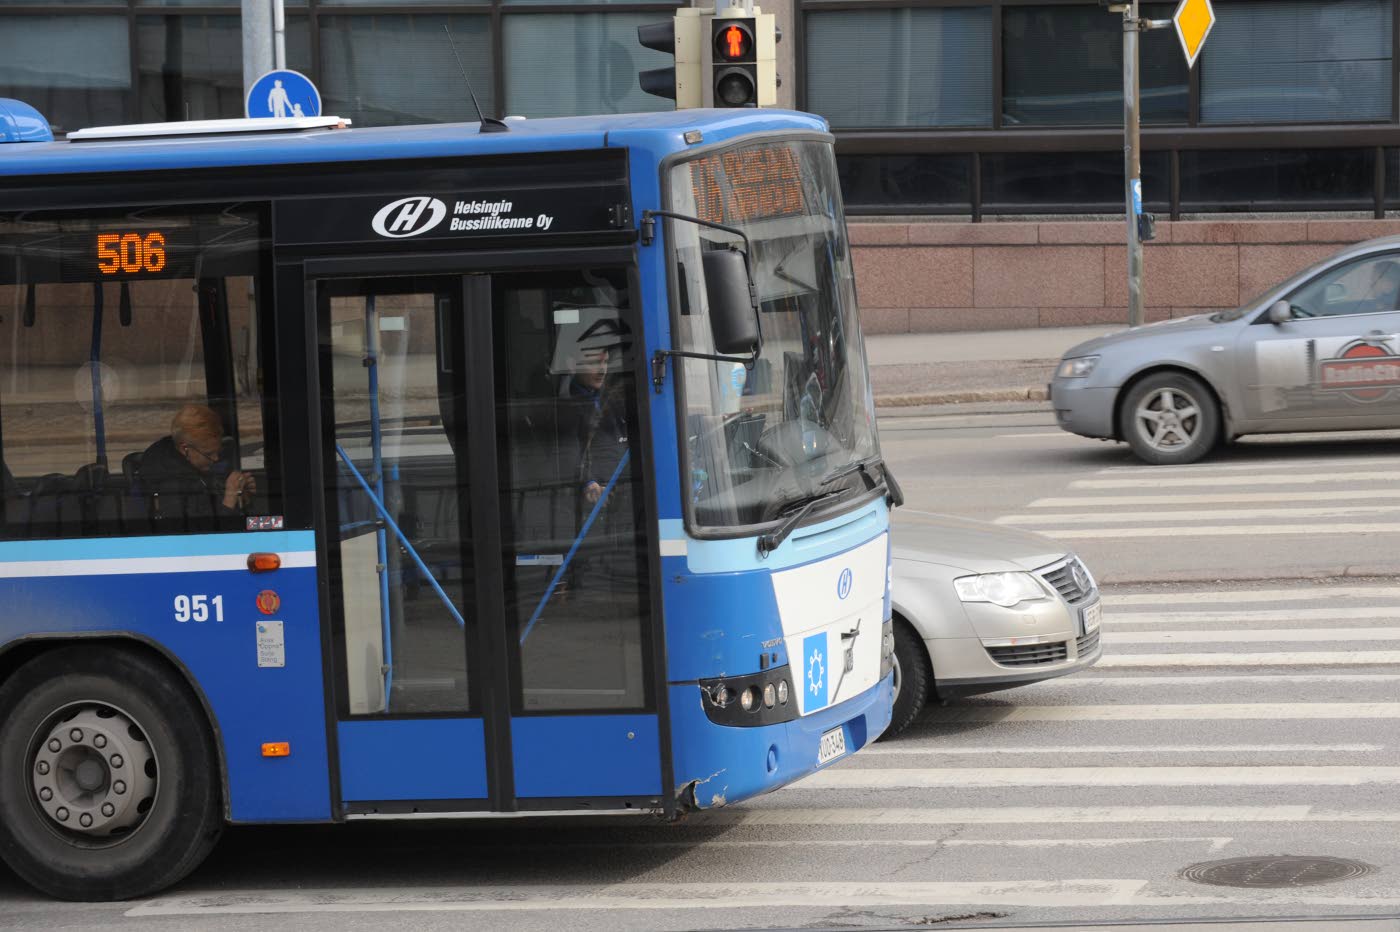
(797, 510)
(863, 467)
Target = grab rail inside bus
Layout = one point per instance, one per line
(398, 532)
(573, 548)
(376, 443)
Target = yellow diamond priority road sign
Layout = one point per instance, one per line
(1193, 19)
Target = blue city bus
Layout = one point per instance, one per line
(521, 468)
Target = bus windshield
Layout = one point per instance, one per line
(760, 438)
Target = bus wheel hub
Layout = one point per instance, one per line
(94, 773)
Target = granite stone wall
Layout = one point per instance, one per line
(932, 276)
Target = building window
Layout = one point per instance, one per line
(191, 67)
(901, 67)
(1273, 179)
(1298, 61)
(563, 64)
(931, 184)
(1069, 182)
(374, 65)
(1063, 66)
(391, 68)
(75, 69)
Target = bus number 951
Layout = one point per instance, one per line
(196, 607)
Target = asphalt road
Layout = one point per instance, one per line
(1248, 704)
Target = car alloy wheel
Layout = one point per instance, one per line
(1168, 419)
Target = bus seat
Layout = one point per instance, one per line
(131, 469)
(90, 478)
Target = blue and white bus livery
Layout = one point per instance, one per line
(568, 493)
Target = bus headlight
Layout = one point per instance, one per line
(750, 700)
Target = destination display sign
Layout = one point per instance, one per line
(145, 243)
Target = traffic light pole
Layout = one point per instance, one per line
(1132, 160)
(1132, 167)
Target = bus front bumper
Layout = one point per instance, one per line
(719, 764)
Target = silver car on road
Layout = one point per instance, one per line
(1321, 351)
(980, 607)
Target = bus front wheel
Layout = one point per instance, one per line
(109, 783)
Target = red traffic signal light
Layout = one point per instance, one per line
(734, 42)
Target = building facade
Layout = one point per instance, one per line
(980, 141)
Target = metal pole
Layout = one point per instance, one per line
(257, 41)
(1132, 168)
(279, 35)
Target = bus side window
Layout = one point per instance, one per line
(96, 366)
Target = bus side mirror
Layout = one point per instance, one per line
(733, 309)
(1280, 312)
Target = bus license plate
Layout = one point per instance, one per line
(1093, 614)
(833, 746)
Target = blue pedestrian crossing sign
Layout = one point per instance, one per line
(283, 93)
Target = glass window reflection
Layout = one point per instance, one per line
(1064, 67)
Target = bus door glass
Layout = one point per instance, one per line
(573, 531)
(489, 577)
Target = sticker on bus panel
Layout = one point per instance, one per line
(816, 666)
(272, 648)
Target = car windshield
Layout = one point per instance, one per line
(762, 437)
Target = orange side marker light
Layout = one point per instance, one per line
(277, 749)
(263, 562)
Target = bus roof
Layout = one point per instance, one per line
(658, 133)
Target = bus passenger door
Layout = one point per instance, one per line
(405, 598)
(578, 599)
(489, 576)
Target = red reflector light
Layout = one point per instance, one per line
(277, 749)
(269, 602)
(263, 562)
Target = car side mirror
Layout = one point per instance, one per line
(733, 314)
(1280, 312)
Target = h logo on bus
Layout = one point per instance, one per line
(409, 216)
(843, 585)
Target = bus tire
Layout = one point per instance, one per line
(913, 677)
(84, 732)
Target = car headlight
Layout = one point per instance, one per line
(1077, 367)
(1004, 589)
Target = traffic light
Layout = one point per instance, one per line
(741, 59)
(679, 37)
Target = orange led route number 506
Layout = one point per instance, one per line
(130, 252)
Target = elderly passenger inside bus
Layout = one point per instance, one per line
(183, 475)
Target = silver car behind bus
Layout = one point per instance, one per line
(979, 607)
(1318, 352)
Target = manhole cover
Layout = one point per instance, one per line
(1283, 870)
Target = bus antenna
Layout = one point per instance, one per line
(488, 124)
